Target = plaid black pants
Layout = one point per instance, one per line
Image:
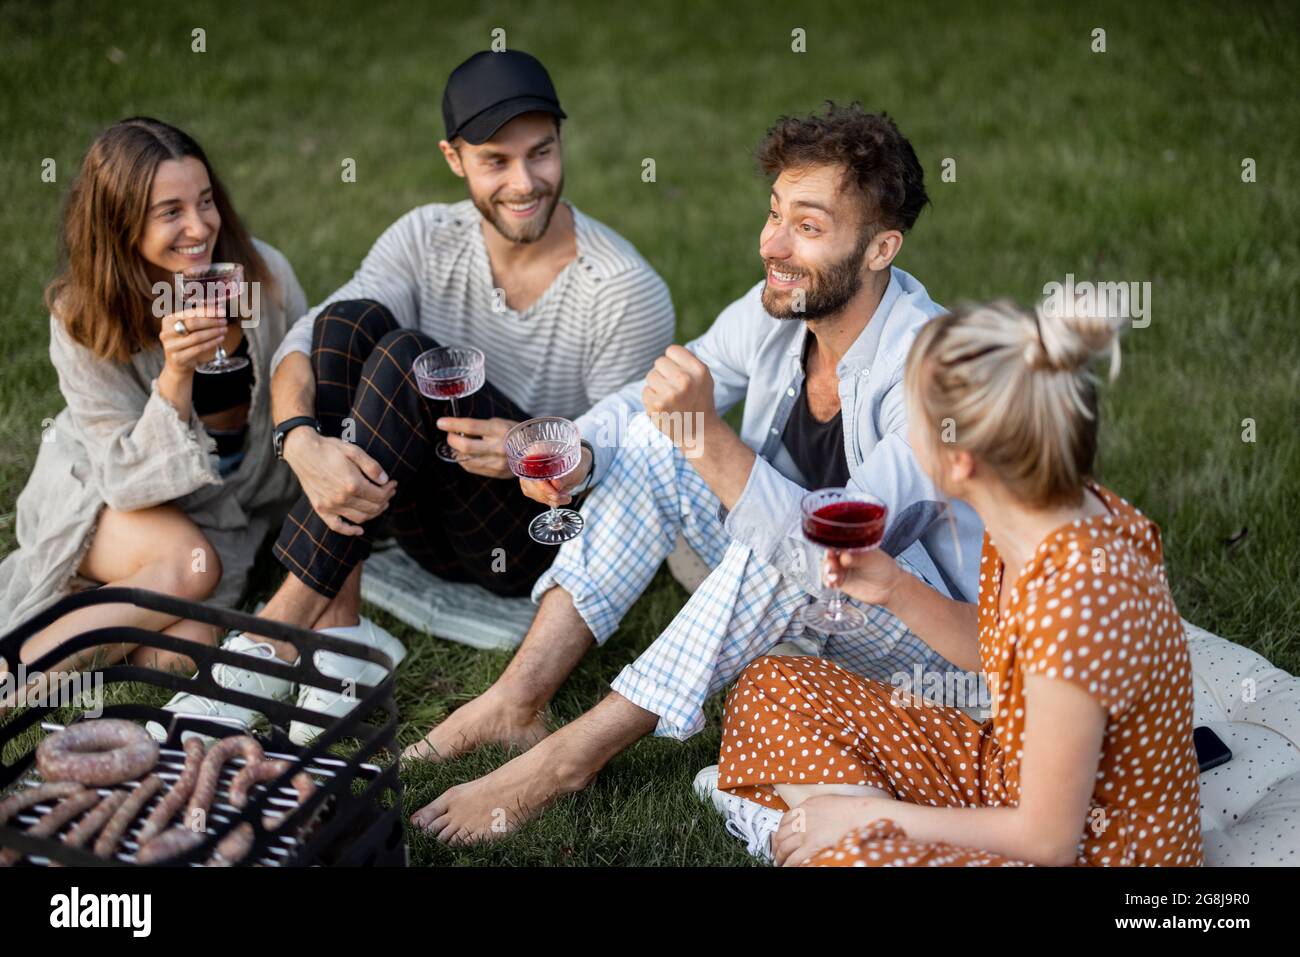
(459, 526)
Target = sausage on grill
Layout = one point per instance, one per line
(175, 840)
(111, 836)
(97, 753)
(210, 772)
(235, 845)
(90, 825)
(161, 816)
(54, 818)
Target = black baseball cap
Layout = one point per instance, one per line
(489, 90)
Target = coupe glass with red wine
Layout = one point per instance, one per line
(449, 373)
(840, 520)
(217, 286)
(543, 449)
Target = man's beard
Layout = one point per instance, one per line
(526, 232)
(828, 290)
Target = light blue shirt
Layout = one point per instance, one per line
(756, 358)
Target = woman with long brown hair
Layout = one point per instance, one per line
(152, 476)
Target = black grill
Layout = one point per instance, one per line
(354, 816)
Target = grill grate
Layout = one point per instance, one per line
(221, 816)
(353, 817)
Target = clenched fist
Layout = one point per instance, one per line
(679, 388)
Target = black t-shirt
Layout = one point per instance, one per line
(816, 447)
(225, 390)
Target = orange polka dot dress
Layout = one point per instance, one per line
(1091, 607)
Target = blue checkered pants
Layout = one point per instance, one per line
(742, 610)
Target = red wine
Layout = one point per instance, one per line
(447, 388)
(845, 525)
(542, 465)
(220, 295)
(452, 385)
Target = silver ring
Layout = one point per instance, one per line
(179, 326)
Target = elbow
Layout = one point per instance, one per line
(283, 362)
(1042, 837)
(1063, 855)
(1053, 850)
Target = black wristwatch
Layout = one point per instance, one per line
(285, 427)
(591, 474)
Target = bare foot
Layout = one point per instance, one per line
(487, 719)
(495, 804)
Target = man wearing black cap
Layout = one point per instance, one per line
(565, 311)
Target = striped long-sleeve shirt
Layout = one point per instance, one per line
(600, 324)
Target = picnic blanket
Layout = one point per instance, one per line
(470, 614)
(460, 612)
(1250, 807)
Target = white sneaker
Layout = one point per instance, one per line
(748, 820)
(236, 679)
(336, 704)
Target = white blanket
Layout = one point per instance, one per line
(464, 613)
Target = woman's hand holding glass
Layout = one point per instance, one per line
(868, 576)
(183, 351)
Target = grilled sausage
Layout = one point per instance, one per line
(54, 818)
(111, 836)
(210, 773)
(173, 841)
(161, 816)
(97, 753)
(90, 825)
(22, 800)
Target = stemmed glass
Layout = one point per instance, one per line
(840, 520)
(217, 286)
(449, 372)
(542, 449)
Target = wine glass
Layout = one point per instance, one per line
(547, 448)
(840, 520)
(216, 286)
(449, 373)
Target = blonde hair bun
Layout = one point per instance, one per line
(1069, 340)
(1013, 387)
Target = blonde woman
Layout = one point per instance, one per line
(151, 476)
(1088, 756)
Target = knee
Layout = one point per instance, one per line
(405, 344)
(394, 355)
(347, 317)
(191, 567)
(758, 671)
(775, 671)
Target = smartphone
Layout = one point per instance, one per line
(1210, 749)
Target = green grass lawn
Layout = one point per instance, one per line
(1123, 165)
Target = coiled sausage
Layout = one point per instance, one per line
(97, 753)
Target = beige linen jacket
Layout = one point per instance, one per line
(119, 443)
